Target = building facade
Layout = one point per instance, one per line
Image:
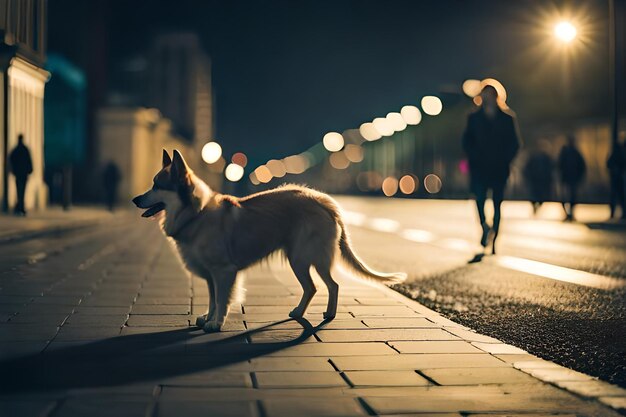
(22, 81)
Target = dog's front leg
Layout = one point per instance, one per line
(223, 282)
(210, 313)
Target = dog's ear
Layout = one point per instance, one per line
(166, 158)
(179, 167)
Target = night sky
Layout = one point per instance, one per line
(286, 72)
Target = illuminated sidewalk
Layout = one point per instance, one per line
(105, 329)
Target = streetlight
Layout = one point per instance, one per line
(565, 31)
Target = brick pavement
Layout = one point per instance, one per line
(104, 328)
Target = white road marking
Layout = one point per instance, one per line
(528, 266)
(558, 273)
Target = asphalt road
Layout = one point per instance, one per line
(555, 289)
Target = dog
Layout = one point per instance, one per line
(218, 235)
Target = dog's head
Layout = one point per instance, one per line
(172, 187)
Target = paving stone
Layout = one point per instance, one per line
(593, 388)
(18, 332)
(77, 333)
(326, 408)
(83, 309)
(478, 376)
(517, 358)
(299, 379)
(292, 324)
(313, 317)
(618, 403)
(168, 320)
(558, 374)
(338, 349)
(376, 335)
(383, 311)
(39, 318)
(377, 301)
(102, 406)
(10, 350)
(499, 348)
(117, 320)
(386, 378)
(290, 364)
(414, 361)
(399, 323)
(434, 347)
(472, 336)
(211, 379)
(207, 408)
(161, 309)
(270, 336)
(163, 300)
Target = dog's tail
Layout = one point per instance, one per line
(358, 266)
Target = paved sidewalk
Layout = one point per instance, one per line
(50, 220)
(109, 335)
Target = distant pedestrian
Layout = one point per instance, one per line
(490, 142)
(21, 167)
(538, 175)
(111, 179)
(572, 169)
(617, 165)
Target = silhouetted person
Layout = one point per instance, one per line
(538, 175)
(490, 142)
(21, 167)
(572, 168)
(111, 177)
(617, 165)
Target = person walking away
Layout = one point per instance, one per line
(490, 142)
(539, 179)
(111, 178)
(572, 168)
(21, 167)
(617, 165)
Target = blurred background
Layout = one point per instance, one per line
(352, 97)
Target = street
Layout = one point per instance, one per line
(532, 305)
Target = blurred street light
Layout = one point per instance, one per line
(432, 105)
(369, 132)
(472, 88)
(233, 172)
(211, 152)
(411, 115)
(565, 31)
(240, 159)
(396, 121)
(333, 141)
(383, 126)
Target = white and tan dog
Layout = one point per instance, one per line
(218, 235)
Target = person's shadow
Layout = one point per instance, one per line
(139, 358)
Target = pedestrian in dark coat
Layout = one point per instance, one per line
(490, 142)
(21, 167)
(539, 179)
(617, 165)
(572, 168)
(111, 178)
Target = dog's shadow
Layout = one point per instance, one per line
(140, 358)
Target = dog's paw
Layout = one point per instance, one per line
(212, 327)
(201, 321)
(296, 313)
(329, 315)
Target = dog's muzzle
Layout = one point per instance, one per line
(151, 210)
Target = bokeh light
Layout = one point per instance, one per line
(233, 172)
(369, 132)
(277, 168)
(217, 166)
(338, 160)
(354, 153)
(383, 126)
(411, 115)
(407, 184)
(431, 105)
(432, 183)
(396, 121)
(390, 186)
(263, 174)
(296, 164)
(211, 152)
(240, 159)
(333, 141)
(471, 88)
(253, 179)
(565, 31)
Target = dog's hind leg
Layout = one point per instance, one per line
(224, 282)
(333, 290)
(302, 271)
